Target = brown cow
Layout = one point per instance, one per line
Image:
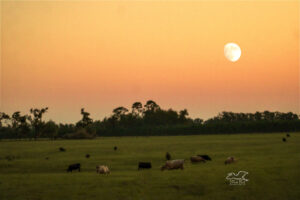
(173, 164)
(230, 160)
(196, 159)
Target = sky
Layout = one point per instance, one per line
(99, 55)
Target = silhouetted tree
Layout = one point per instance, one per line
(86, 120)
(147, 120)
(20, 124)
(4, 117)
(258, 116)
(183, 114)
(137, 108)
(119, 112)
(151, 106)
(198, 121)
(50, 130)
(36, 120)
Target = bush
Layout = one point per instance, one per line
(80, 134)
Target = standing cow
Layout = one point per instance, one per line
(230, 160)
(196, 159)
(62, 149)
(173, 164)
(144, 165)
(74, 167)
(102, 169)
(205, 157)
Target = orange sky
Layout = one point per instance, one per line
(100, 55)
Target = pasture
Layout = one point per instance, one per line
(273, 166)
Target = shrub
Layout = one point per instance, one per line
(80, 134)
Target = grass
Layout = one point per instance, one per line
(273, 166)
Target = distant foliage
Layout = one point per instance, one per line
(80, 134)
(148, 119)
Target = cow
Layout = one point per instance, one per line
(102, 169)
(168, 156)
(205, 157)
(195, 159)
(230, 160)
(283, 140)
(74, 167)
(287, 135)
(62, 149)
(87, 155)
(173, 164)
(115, 148)
(144, 165)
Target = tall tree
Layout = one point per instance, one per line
(258, 116)
(36, 120)
(4, 117)
(86, 120)
(183, 114)
(137, 108)
(50, 129)
(20, 124)
(151, 106)
(119, 112)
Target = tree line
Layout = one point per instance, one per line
(143, 120)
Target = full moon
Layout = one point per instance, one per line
(232, 52)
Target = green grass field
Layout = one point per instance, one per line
(273, 166)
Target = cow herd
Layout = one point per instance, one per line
(169, 164)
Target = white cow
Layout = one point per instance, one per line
(102, 169)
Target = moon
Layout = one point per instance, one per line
(232, 52)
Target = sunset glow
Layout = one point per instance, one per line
(103, 54)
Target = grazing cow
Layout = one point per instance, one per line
(87, 155)
(47, 158)
(205, 157)
(62, 149)
(115, 148)
(173, 164)
(287, 135)
(195, 159)
(102, 169)
(283, 140)
(230, 160)
(74, 167)
(168, 156)
(144, 165)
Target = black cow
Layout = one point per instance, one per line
(87, 155)
(115, 148)
(287, 135)
(62, 149)
(205, 157)
(168, 156)
(144, 165)
(283, 140)
(74, 167)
